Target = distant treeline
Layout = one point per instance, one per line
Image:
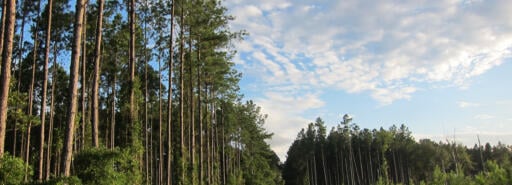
(351, 155)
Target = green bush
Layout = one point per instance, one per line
(73, 180)
(108, 167)
(12, 170)
(495, 174)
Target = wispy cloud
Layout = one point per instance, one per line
(287, 116)
(484, 116)
(386, 49)
(465, 104)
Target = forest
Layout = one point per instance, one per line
(146, 92)
(351, 155)
(126, 92)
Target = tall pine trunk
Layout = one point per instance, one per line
(199, 107)
(20, 58)
(45, 86)
(96, 81)
(52, 102)
(5, 77)
(169, 98)
(31, 91)
(84, 81)
(113, 108)
(133, 113)
(2, 28)
(73, 91)
(182, 94)
(146, 99)
(191, 110)
(160, 143)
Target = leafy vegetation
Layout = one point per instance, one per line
(12, 170)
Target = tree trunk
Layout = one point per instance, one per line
(199, 107)
(182, 107)
(133, 113)
(20, 58)
(169, 99)
(75, 58)
(5, 77)
(45, 86)
(208, 149)
(113, 108)
(160, 144)
(96, 81)
(31, 91)
(52, 102)
(81, 139)
(146, 99)
(2, 28)
(191, 110)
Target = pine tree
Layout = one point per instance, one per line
(45, 86)
(169, 94)
(96, 82)
(72, 104)
(2, 27)
(5, 76)
(31, 92)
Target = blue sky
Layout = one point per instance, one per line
(441, 67)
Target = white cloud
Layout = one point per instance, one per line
(357, 48)
(465, 104)
(468, 135)
(286, 110)
(484, 116)
(470, 139)
(386, 49)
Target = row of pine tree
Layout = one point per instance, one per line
(126, 92)
(351, 155)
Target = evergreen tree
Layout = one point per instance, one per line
(68, 147)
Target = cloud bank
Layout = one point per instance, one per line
(387, 49)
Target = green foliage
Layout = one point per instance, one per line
(494, 176)
(235, 179)
(350, 155)
(18, 103)
(103, 166)
(258, 160)
(72, 180)
(12, 170)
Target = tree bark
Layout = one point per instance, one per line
(169, 98)
(45, 87)
(5, 77)
(96, 81)
(199, 107)
(84, 81)
(146, 98)
(132, 67)
(182, 107)
(73, 91)
(113, 108)
(52, 102)
(2, 28)
(191, 110)
(31, 91)
(160, 143)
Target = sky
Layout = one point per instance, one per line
(441, 67)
